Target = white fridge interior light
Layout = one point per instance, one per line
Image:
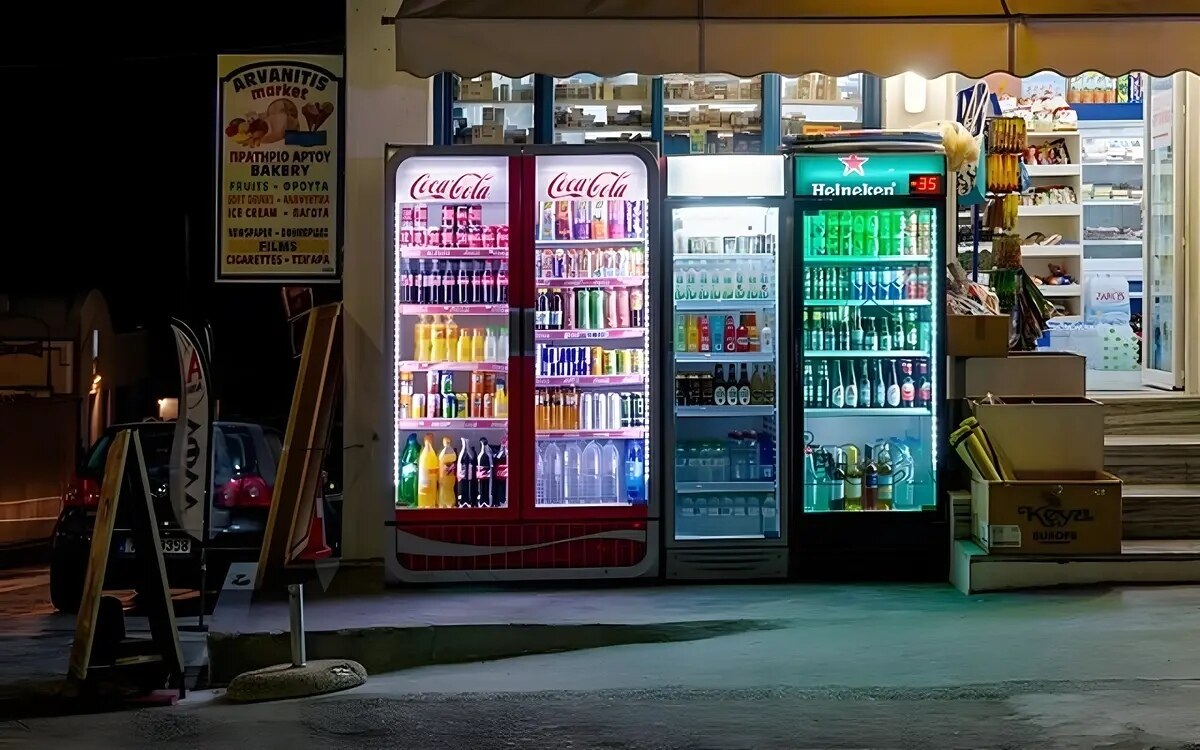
(916, 91)
(725, 175)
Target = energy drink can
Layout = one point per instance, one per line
(461, 402)
(587, 409)
(623, 362)
(610, 362)
(596, 365)
(614, 411)
(449, 406)
(833, 232)
(583, 310)
(446, 381)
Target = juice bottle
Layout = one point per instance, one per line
(752, 332)
(437, 340)
(449, 469)
(451, 339)
(500, 401)
(464, 348)
(489, 346)
(427, 475)
(421, 336)
(693, 334)
(477, 346)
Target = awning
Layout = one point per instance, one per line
(836, 37)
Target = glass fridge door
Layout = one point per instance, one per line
(591, 409)
(451, 333)
(712, 113)
(494, 109)
(724, 285)
(868, 277)
(591, 109)
(1162, 355)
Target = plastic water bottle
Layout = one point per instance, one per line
(766, 457)
(554, 474)
(589, 473)
(751, 448)
(610, 473)
(571, 460)
(541, 481)
(737, 457)
(635, 473)
(681, 465)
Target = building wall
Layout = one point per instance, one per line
(383, 107)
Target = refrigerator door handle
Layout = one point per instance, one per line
(527, 335)
(516, 337)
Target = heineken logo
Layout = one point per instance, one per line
(824, 188)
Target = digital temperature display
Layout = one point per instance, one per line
(925, 184)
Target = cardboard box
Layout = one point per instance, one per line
(977, 335)
(491, 132)
(1065, 514)
(475, 91)
(1046, 434)
(1020, 374)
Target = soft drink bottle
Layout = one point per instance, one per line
(408, 473)
(484, 475)
(589, 473)
(635, 473)
(571, 460)
(429, 469)
(500, 482)
(448, 461)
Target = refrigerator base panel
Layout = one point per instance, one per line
(726, 563)
(524, 552)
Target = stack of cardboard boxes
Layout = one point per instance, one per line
(1056, 498)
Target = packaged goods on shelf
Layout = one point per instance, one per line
(475, 91)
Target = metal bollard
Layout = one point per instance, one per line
(296, 622)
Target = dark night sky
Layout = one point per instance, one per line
(110, 138)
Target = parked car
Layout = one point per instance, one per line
(245, 457)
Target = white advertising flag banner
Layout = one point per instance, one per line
(190, 452)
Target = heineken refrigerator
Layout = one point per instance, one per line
(725, 222)
(873, 215)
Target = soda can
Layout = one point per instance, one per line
(406, 237)
(476, 406)
(857, 281)
(421, 216)
(833, 232)
(587, 408)
(406, 216)
(461, 404)
(616, 220)
(600, 418)
(635, 219)
(543, 358)
(596, 361)
(743, 243)
(626, 411)
(624, 362)
(730, 245)
(639, 410)
(610, 362)
(449, 406)
(475, 236)
(462, 236)
(475, 214)
(489, 235)
(637, 362)
(477, 380)
(871, 284)
(502, 236)
(433, 237)
(596, 314)
(447, 216)
(462, 217)
(420, 237)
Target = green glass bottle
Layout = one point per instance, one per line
(408, 474)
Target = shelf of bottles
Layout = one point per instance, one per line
(724, 280)
(712, 113)
(592, 395)
(866, 334)
(592, 109)
(452, 351)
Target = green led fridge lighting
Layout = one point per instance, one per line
(869, 174)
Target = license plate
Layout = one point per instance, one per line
(170, 546)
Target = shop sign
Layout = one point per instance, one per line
(868, 174)
(452, 179)
(1162, 113)
(279, 168)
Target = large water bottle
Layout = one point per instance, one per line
(589, 473)
(572, 458)
(554, 474)
(610, 473)
(635, 472)
(766, 457)
(681, 465)
(541, 479)
(693, 460)
(750, 446)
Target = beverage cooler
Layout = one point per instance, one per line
(726, 514)
(872, 222)
(522, 390)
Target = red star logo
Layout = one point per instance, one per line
(853, 164)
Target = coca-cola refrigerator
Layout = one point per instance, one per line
(523, 393)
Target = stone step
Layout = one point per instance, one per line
(1151, 415)
(1153, 459)
(1161, 511)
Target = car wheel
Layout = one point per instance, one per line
(67, 572)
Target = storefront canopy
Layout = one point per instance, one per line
(837, 37)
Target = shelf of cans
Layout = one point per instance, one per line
(485, 398)
(457, 225)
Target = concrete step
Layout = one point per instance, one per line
(1153, 459)
(1151, 415)
(1161, 511)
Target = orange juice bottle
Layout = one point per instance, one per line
(428, 470)
(437, 340)
(421, 335)
(500, 402)
(448, 460)
(465, 345)
(477, 345)
(451, 339)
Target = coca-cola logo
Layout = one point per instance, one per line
(607, 184)
(469, 186)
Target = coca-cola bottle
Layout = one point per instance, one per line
(464, 481)
(500, 484)
(484, 474)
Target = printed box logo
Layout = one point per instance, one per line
(824, 188)
(470, 186)
(1053, 521)
(606, 184)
